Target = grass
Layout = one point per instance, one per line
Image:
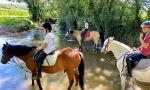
(14, 13)
(12, 21)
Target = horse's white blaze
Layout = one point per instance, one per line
(118, 50)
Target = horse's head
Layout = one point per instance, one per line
(106, 47)
(5, 54)
(69, 33)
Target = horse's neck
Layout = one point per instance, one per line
(76, 32)
(119, 49)
(22, 57)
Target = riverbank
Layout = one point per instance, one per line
(4, 30)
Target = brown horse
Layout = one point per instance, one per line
(92, 35)
(67, 59)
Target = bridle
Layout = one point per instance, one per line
(106, 47)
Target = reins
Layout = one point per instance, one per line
(19, 65)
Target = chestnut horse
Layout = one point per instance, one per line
(93, 35)
(67, 59)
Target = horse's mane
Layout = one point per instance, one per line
(122, 44)
(20, 49)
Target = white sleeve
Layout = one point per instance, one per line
(86, 25)
(47, 38)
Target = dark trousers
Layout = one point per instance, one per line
(39, 60)
(84, 32)
(131, 59)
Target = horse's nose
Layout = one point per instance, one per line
(3, 61)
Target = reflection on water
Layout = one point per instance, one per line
(99, 74)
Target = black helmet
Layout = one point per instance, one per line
(146, 24)
(47, 26)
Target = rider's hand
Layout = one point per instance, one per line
(141, 36)
(39, 48)
(134, 49)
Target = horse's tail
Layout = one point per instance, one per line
(81, 72)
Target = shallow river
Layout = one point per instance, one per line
(99, 73)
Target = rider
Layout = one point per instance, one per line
(84, 31)
(142, 51)
(47, 47)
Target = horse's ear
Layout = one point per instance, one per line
(111, 38)
(6, 43)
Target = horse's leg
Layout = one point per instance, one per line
(123, 82)
(39, 84)
(76, 77)
(94, 47)
(33, 74)
(96, 44)
(131, 83)
(32, 82)
(80, 45)
(71, 79)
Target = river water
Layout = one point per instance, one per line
(100, 74)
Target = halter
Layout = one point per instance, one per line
(123, 55)
(106, 47)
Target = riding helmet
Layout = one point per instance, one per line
(146, 24)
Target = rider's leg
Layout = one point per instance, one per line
(39, 61)
(129, 66)
(131, 59)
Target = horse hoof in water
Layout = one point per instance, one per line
(93, 49)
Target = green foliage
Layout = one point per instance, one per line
(41, 9)
(14, 13)
(20, 24)
(118, 18)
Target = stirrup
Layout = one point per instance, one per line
(128, 77)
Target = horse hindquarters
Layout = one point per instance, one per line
(81, 73)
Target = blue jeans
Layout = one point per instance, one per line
(131, 61)
(137, 56)
(40, 58)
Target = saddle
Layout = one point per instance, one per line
(52, 52)
(142, 63)
(38, 52)
(137, 61)
(87, 35)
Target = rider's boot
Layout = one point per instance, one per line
(129, 65)
(39, 75)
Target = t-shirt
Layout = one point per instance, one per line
(86, 26)
(146, 51)
(49, 39)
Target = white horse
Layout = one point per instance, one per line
(141, 72)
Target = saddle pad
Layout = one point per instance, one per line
(50, 60)
(143, 64)
(87, 34)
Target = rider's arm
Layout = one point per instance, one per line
(86, 25)
(146, 41)
(45, 45)
(42, 47)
